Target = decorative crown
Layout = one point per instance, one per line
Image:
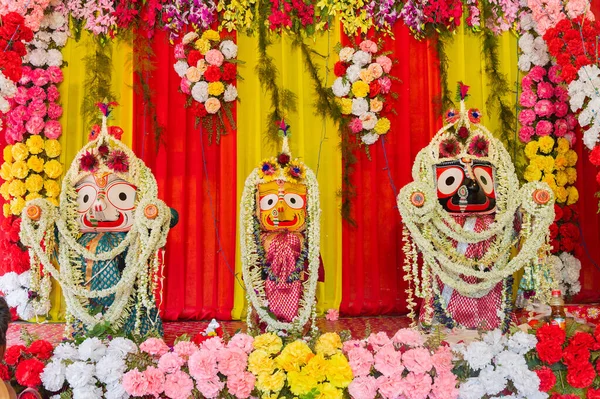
(282, 167)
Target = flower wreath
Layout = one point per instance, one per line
(430, 230)
(294, 171)
(42, 221)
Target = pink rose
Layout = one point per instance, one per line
(35, 125)
(363, 388)
(386, 85)
(210, 388)
(444, 387)
(26, 76)
(526, 82)
(203, 365)
(53, 130)
(185, 349)
(361, 360)
(379, 340)
(390, 386)
(170, 362)
(19, 113)
(385, 62)
(21, 96)
(154, 346)
(214, 57)
(544, 90)
(554, 74)
(525, 134)
(54, 111)
(388, 360)
(544, 108)
(560, 109)
(571, 121)
(543, 128)
(135, 383)
(155, 379)
(417, 360)
(368, 46)
(356, 125)
(417, 385)
(537, 73)
(241, 385)
(39, 77)
(185, 86)
(351, 344)
(212, 344)
(36, 92)
(179, 51)
(178, 385)
(232, 361)
(527, 117)
(54, 74)
(442, 359)
(561, 94)
(408, 336)
(560, 127)
(52, 93)
(37, 108)
(527, 98)
(241, 341)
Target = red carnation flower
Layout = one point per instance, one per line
(553, 231)
(13, 354)
(549, 352)
(229, 72)
(199, 110)
(41, 349)
(374, 88)
(595, 155)
(552, 333)
(339, 69)
(118, 161)
(88, 162)
(567, 213)
(558, 213)
(547, 379)
(581, 376)
(4, 374)
(593, 393)
(212, 74)
(193, 57)
(28, 372)
(567, 244)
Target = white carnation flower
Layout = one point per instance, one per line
(115, 391)
(229, 49)
(88, 392)
(25, 279)
(91, 349)
(200, 91)
(181, 68)
(575, 288)
(524, 62)
(346, 54)
(55, 58)
(341, 87)
(526, 382)
(9, 282)
(370, 138)
(361, 58)
(369, 120)
(471, 389)
(38, 57)
(478, 354)
(60, 38)
(521, 342)
(16, 298)
(66, 351)
(57, 20)
(121, 347)
(353, 73)
(25, 311)
(39, 44)
(508, 363)
(4, 105)
(590, 137)
(526, 20)
(44, 36)
(53, 376)
(110, 369)
(496, 341)
(493, 381)
(359, 106)
(230, 94)
(80, 374)
(189, 37)
(526, 42)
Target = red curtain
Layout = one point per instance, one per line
(200, 262)
(372, 277)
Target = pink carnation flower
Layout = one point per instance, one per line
(13, 135)
(35, 125)
(332, 315)
(561, 94)
(408, 336)
(19, 114)
(21, 96)
(417, 360)
(232, 361)
(554, 74)
(361, 360)
(154, 346)
(544, 90)
(214, 57)
(442, 359)
(571, 121)
(417, 385)
(526, 82)
(179, 51)
(155, 379)
(525, 134)
(241, 341)
(386, 84)
(368, 46)
(26, 76)
(388, 361)
(527, 117)
(390, 386)
(54, 111)
(37, 108)
(55, 74)
(356, 125)
(210, 388)
(135, 383)
(53, 130)
(241, 385)
(560, 127)
(36, 92)
(379, 340)
(178, 385)
(537, 73)
(170, 362)
(351, 344)
(444, 387)
(185, 86)
(363, 388)
(543, 128)
(203, 365)
(527, 98)
(544, 108)
(52, 93)
(561, 109)
(185, 349)
(385, 62)
(213, 344)
(39, 77)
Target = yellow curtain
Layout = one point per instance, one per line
(72, 93)
(312, 140)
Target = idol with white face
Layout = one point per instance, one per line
(105, 203)
(282, 206)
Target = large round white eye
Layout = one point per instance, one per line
(449, 181)
(485, 179)
(294, 201)
(86, 195)
(268, 202)
(122, 196)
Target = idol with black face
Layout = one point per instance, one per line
(466, 186)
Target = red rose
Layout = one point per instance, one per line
(103, 150)
(28, 373)
(4, 374)
(41, 349)
(340, 68)
(212, 74)
(193, 57)
(581, 376)
(547, 379)
(374, 88)
(13, 354)
(463, 133)
(593, 393)
(229, 72)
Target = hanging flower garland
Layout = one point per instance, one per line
(361, 89)
(207, 68)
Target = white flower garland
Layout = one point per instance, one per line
(251, 268)
(584, 94)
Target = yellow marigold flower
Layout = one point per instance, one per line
(561, 178)
(202, 45)
(53, 169)
(6, 171)
(550, 180)
(16, 205)
(4, 190)
(531, 149)
(329, 391)
(563, 145)
(316, 367)
(260, 362)
(52, 148)
(300, 383)
(270, 396)
(532, 173)
(19, 169)
(360, 88)
(34, 183)
(546, 144)
(560, 162)
(52, 188)
(544, 163)
(571, 158)
(7, 154)
(382, 126)
(339, 372)
(6, 210)
(328, 344)
(215, 88)
(294, 356)
(19, 152)
(269, 342)
(561, 195)
(17, 188)
(571, 175)
(573, 195)
(32, 196)
(366, 76)
(35, 144)
(271, 382)
(35, 163)
(53, 201)
(211, 35)
(346, 105)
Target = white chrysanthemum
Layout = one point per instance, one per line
(495, 340)
(230, 94)
(110, 369)
(92, 349)
(9, 282)
(115, 391)
(55, 58)
(200, 91)
(121, 347)
(361, 58)
(88, 392)
(521, 342)
(80, 374)
(181, 68)
(53, 376)
(341, 87)
(370, 138)
(359, 106)
(471, 389)
(492, 381)
(229, 49)
(353, 73)
(369, 120)
(478, 354)
(346, 54)
(60, 38)
(65, 351)
(189, 37)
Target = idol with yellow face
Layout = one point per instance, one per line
(282, 206)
